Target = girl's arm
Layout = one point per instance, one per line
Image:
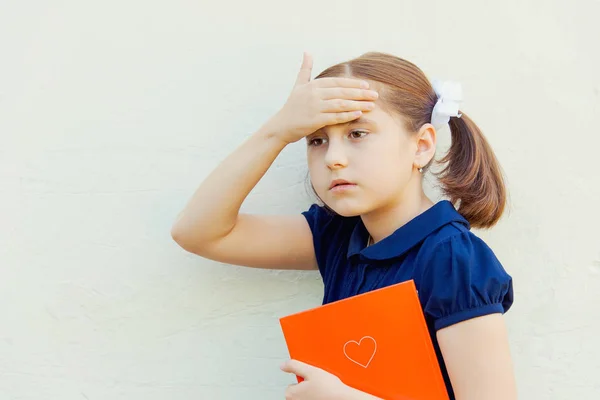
(211, 226)
(477, 355)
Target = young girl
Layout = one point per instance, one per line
(371, 127)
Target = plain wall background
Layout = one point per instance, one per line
(111, 114)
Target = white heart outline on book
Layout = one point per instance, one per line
(358, 343)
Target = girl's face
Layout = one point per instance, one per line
(374, 153)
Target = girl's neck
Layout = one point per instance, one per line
(382, 222)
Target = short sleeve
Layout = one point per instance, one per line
(321, 223)
(463, 279)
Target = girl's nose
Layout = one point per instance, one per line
(336, 155)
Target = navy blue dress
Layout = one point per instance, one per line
(457, 275)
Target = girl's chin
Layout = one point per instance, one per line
(345, 210)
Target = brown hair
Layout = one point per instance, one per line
(471, 177)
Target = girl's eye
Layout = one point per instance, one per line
(358, 134)
(315, 142)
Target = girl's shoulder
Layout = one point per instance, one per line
(457, 243)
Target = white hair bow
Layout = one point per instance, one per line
(449, 96)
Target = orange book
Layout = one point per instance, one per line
(376, 342)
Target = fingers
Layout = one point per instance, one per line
(296, 367)
(344, 104)
(347, 93)
(305, 70)
(338, 118)
(341, 105)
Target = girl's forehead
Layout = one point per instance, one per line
(382, 115)
(378, 112)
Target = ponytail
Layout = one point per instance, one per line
(472, 178)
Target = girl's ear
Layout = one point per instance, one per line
(426, 140)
